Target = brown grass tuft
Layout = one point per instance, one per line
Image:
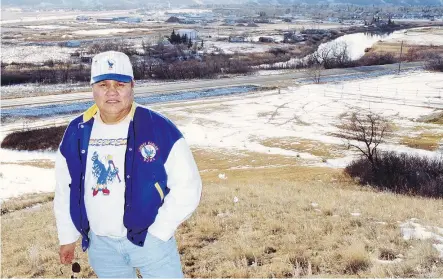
(355, 259)
(387, 254)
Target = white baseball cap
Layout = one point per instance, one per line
(112, 65)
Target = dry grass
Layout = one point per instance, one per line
(30, 245)
(426, 140)
(41, 163)
(395, 48)
(274, 230)
(436, 118)
(25, 201)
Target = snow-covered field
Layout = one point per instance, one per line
(301, 113)
(35, 54)
(230, 48)
(419, 36)
(310, 112)
(18, 179)
(47, 27)
(10, 16)
(96, 32)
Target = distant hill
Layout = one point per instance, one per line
(356, 2)
(129, 4)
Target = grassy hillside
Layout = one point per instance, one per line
(288, 222)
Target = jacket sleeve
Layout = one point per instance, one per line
(185, 187)
(67, 233)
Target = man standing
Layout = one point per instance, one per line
(126, 179)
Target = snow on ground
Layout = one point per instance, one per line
(16, 180)
(413, 230)
(47, 27)
(355, 44)
(188, 11)
(37, 89)
(95, 32)
(8, 17)
(310, 112)
(35, 54)
(272, 72)
(230, 48)
(419, 36)
(277, 38)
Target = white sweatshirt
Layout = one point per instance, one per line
(105, 210)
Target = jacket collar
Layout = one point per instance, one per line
(90, 112)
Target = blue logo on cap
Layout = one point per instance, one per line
(111, 63)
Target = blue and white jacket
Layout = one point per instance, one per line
(160, 194)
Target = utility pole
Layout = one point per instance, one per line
(401, 52)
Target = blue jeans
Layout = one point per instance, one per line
(119, 258)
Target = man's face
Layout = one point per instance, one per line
(113, 97)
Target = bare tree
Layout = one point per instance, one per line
(330, 56)
(147, 48)
(314, 72)
(365, 132)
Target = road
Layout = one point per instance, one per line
(170, 87)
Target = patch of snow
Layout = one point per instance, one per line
(35, 54)
(189, 11)
(397, 260)
(18, 180)
(355, 214)
(14, 156)
(107, 31)
(47, 27)
(439, 248)
(413, 230)
(231, 48)
(277, 38)
(418, 36)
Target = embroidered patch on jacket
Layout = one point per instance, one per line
(148, 151)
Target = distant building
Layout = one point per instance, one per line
(190, 33)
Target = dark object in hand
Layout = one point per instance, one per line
(75, 269)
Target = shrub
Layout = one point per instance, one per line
(40, 139)
(377, 59)
(401, 173)
(435, 63)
